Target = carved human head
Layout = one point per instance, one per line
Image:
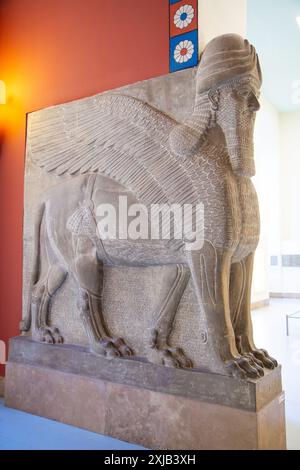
(229, 74)
(228, 81)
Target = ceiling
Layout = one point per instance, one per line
(273, 30)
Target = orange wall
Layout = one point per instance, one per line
(53, 51)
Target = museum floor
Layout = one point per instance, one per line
(20, 430)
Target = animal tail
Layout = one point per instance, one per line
(25, 324)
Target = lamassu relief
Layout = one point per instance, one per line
(180, 141)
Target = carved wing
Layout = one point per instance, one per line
(118, 136)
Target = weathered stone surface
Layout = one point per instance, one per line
(271, 425)
(153, 406)
(163, 142)
(129, 294)
(250, 395)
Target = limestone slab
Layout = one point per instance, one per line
(249, 394)
(143, 403)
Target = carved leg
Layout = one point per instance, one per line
(173, 287)
(89, 273)
(242, 314)
(42, 295)
(211, 274)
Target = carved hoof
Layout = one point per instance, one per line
(245, 366)
(122, 347)
(254, 359)
(112, 347)
(170, 357)
(263, 356)
(50, 335)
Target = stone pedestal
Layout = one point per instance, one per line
(157, 407)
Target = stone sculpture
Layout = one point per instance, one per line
(131, 149)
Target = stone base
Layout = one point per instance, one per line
(157, 407)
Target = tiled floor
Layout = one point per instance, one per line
(23, 431)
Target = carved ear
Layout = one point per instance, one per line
(214, 95)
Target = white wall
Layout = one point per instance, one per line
(218, 17)
(287, 279)
(290, 176)
(277, 147)
(266, 181)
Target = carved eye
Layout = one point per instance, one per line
(245, 93)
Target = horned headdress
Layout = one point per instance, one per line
(228, 57)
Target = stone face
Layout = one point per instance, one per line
(151, 406)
